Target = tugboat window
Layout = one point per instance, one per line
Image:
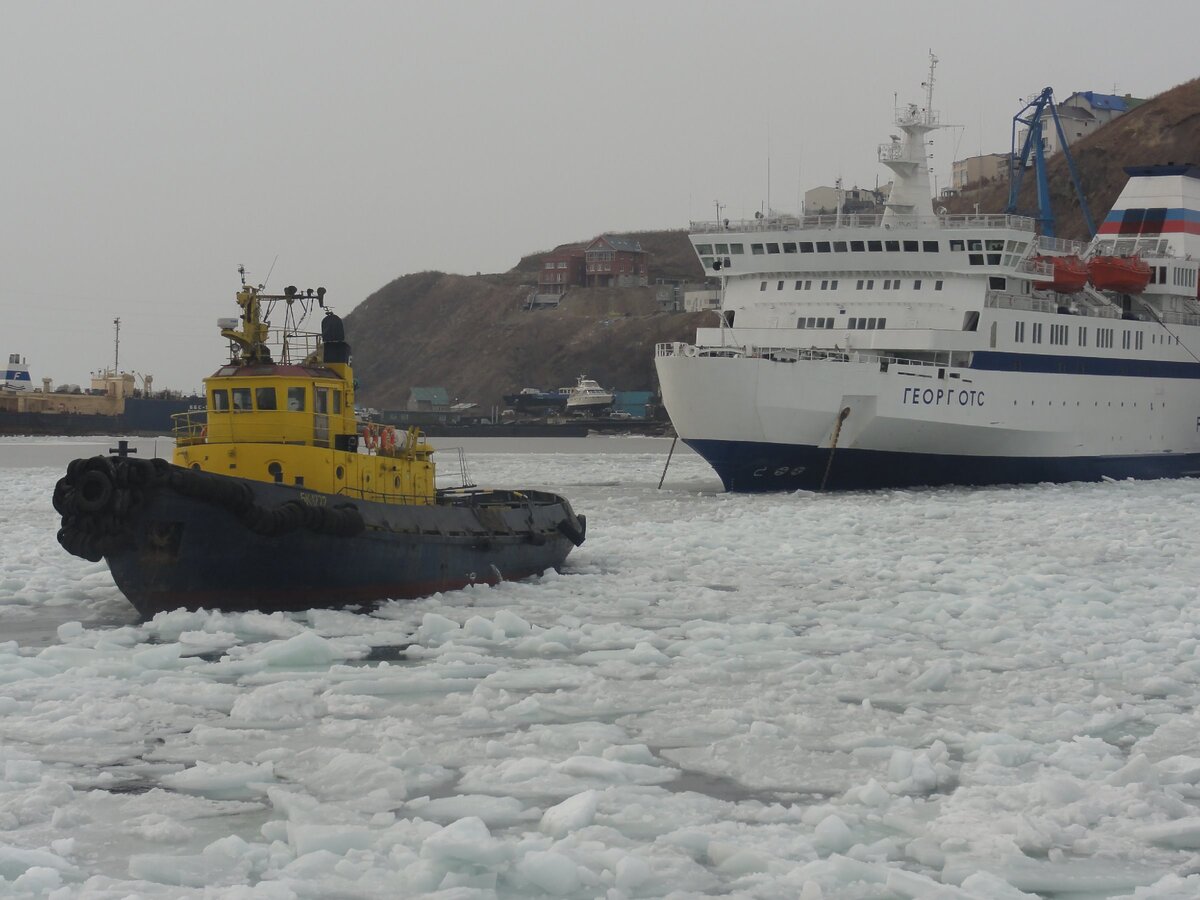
(220, 401)
(241, 399)
(337, 402)
(264, 398)
(296, 399)
(321, 401)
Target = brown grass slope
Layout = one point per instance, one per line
(471, 336)
(1165, 129)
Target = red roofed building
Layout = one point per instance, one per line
(616, 262)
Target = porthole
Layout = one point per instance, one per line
(195, 467)
(397, 482)
(340, 472)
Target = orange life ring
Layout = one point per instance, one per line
(387, 440)
(204, 432)
(370, 438)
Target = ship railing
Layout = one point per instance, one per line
(831, 221)
(452, 475)
(287, 347)
(1031, 266)
(189, 427)
(1060, 246)
(937, 358)
(385, 496)
(1146, 249)
(1074, 304)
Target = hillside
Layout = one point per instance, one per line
(471, 336)
(1163, 130)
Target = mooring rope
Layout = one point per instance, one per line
(837, 429)
(664, 474)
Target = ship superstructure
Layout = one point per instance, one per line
(916, 347)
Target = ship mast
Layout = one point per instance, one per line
(911, 201)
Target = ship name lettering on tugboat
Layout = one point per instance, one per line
(312, 499)
(942, 397)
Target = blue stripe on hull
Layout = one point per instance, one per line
(751, 467)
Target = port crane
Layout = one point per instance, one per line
(1033, 117)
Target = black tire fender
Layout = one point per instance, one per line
(94, 491)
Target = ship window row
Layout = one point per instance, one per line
(815, 322)
(1179, 277)
(770, 248)
(721, 249)
(831, 284)
(865, 323)
(1060, 335)
(265, 399)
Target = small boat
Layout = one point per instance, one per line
(1122, 274)
(1070, 273)
(279, 498)
(587, 397)
(535, 400)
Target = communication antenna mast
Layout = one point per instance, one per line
(117, 345)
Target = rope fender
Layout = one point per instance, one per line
(97, 496)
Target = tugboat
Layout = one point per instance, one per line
(278, 498)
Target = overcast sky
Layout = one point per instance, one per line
(149, 148)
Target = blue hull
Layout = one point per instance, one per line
(752, 467)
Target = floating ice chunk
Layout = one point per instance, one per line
(992, 887)
(467, 840)
(1182, 833)
(22, 771)
(305, 649)
(935, 678)
(37, 881)
(478, 626)
(1139, 770)
(223, 781)
(15, 862)
(496, 812)
(281, 705)
(160, 656)
(833, 834)
(736, 859)
(614, 771)
(68, 630)
(1179, 769)
(511, 624)
(631, 871)
(570, 815)
(335, 839)
(435, 629)
(550, 871)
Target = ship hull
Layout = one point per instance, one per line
(745, 467)
(189, 542)
(765, 425)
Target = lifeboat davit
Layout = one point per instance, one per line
(1123, 274)
(1069, 273)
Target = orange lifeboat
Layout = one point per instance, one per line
(1070, 273)
(1123, 274)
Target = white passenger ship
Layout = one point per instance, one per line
(916, 348)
